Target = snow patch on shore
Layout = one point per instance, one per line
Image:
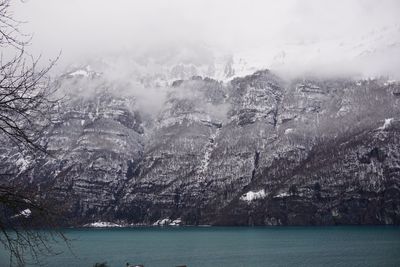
(168, 222)
(102, 224)
(162, 222)
(25, 213)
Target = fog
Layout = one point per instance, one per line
(309, 35)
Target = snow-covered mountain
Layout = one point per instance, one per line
(254, 150)
(368, 54)
(372, 53)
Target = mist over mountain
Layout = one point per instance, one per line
(228, 113)
(295, 37)
(254, 150)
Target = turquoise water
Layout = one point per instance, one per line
(233, 247)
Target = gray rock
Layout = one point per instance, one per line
(322, 152)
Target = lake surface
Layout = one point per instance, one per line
(230, 246)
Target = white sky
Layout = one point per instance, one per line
(88, 28)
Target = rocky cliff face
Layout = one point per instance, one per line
(258, 150)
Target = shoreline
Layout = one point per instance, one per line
(236, 226)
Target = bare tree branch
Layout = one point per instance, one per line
(26, 102)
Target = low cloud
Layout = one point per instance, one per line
(293, 36)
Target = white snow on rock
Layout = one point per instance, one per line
(208, 151)
(102, 224)
(83, 73)
(386, 124)
(176, 222)
(280, 195)
(168, 222)
(250, 196)
(162, 222)
(389, 82)
(289, 130)
(25, 213)
(22, 163)
(343, 110)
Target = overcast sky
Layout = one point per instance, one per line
(88, 28)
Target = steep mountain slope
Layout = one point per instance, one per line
(258, 150)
